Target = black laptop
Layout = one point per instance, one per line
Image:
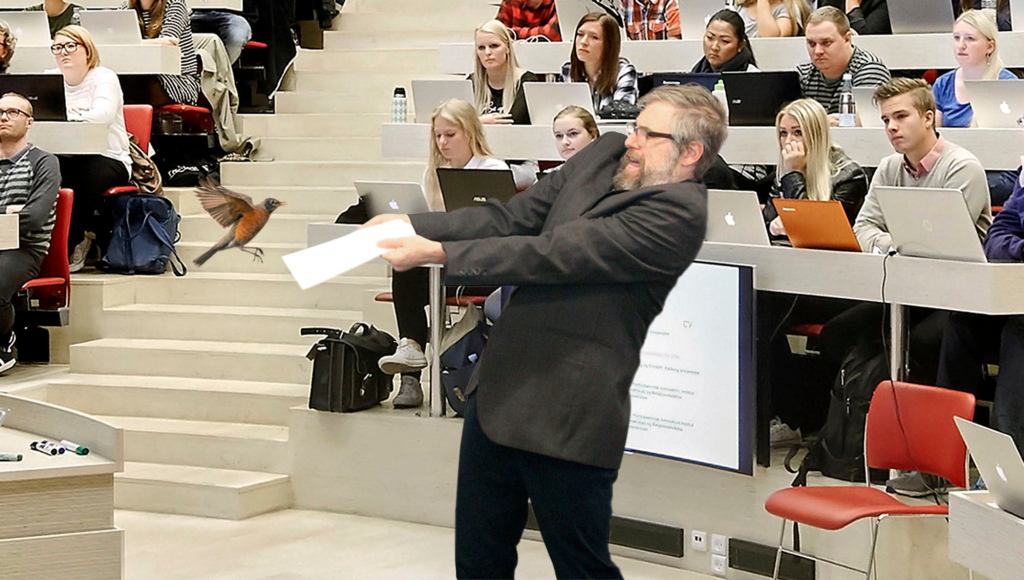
(45, 92)
(647, 83)
(472, 187)
(756, 97)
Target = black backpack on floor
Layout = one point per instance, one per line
(839, 450)
(346, 376)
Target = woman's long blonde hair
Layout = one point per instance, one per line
(985, 23)
(798, 11)
(481, 91)
(813, 121)
(466, 118)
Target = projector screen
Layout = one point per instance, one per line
(694, 394)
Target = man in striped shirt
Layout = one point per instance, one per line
(832, 53)
(29, 179)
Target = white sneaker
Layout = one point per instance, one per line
(81, 252)
(408, 358)
(8, 354)
(781, 434)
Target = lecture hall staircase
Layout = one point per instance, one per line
(200, 371)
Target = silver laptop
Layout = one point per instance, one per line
(920, 16)
(427, 95)
(383, 197)
(697, 12)
(30, 28)
(867, 110)
(997, 104)
(930, 223)
(545, 100)
(999, 463)
(112, 26)
(734, 217)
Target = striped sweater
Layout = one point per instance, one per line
(29, 181)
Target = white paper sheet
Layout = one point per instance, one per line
(9, 236)
(320, 263)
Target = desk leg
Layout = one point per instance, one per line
(897, 341)
(436, 396)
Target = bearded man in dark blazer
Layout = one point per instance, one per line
(593, 250)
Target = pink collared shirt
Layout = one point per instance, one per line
(927, 162)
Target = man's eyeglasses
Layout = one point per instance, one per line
(67, 47)
(642, 133)
(13, 113)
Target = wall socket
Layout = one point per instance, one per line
(719, 544)
(698, 541)
(719, 565)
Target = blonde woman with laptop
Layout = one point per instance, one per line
(497, 77)
(810, 165)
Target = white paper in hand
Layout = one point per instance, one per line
(320, 263)
(9, 235)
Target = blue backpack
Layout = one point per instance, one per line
(145, 230)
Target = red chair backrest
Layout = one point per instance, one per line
(911, 427)
(55, 264)
(138, 120)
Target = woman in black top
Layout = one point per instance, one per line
(496, 69)
(726, 46)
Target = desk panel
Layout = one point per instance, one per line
(141, 59)
(905, 51)
(69, 138)
(996, 148)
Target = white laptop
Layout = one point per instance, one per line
(734, 217)
(383, 197)
(112, 27)
(545, 100)
(867, 110)
(999, 463)
(920, 16)
(997, 104)
(30, 28)
(427, 95)
(697, 13)
(930, 223)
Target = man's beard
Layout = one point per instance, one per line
(646, 177)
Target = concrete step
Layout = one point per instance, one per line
(397, 60)
(372, 100)
(234, 260)
(281, 228)
(192, 399)
(299, 200)
(315, 124)
(215, 444)
(222, 288)
(242, 361)
(215, 323)
(318, 173)
(373, 39)
(320, 149)
(198, 491)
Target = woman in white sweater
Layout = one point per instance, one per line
(93, 95)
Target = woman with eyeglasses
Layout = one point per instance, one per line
(166, 22)
(7, 42)
(93, 94)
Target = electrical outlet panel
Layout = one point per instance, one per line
(699, 541)
(719, 565)
(719, 544)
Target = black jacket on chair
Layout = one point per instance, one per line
(593, 266)
(872, 17)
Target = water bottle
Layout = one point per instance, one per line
(399, 106)
(847, 107)
(719, 93)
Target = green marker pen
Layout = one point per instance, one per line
(10, 456)
(74, 447)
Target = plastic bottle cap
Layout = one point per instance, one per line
(399, 91)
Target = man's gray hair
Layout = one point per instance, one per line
(699, 117)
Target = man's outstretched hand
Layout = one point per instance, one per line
(387, 217)
(411, 252)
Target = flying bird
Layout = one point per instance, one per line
(236, 212)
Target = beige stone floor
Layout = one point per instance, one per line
(295, 544)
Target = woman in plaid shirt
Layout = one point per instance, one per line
(595, 60)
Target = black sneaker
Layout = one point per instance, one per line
(8, 355)
(917, 484)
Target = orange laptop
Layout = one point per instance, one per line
(818, 225)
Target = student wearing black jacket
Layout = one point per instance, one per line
(726, 46)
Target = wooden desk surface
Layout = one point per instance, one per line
(35, 465)
(995, 148)
(140, 59)
(905, 51)
(983, 537)
(69, 138)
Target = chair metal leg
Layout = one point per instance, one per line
(874, 543)
(778, 552)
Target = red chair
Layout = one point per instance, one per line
(909, 427)
(138, 120)
(196, 119)
(461, 300)
(49, 295)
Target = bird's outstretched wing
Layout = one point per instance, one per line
(223, 205)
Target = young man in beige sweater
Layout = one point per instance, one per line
(922, 159)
